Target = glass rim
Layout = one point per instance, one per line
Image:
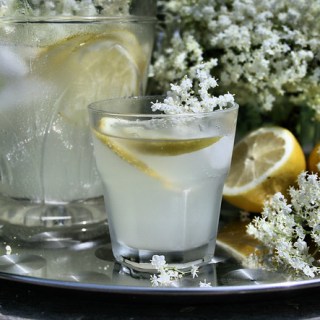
(78, 18)
(94, 107)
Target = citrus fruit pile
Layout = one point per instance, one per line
(266, 161)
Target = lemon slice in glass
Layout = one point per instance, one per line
(148, 141)
(88, 67)
(145, 142)
(168, 147)
(129, 157)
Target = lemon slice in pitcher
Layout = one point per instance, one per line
(89, 67)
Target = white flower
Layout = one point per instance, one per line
(159, 262)
(164, 279)
(67, 7)
(262, 49)
(8, 250)
(205, 284)
(168, 275)
(154, 280)
(291, 230)
(193, 96)
(194, 271)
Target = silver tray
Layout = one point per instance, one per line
(56, 258)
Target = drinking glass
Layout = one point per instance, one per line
(163, 177)
(52, 65)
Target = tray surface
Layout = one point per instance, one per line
(59, 259)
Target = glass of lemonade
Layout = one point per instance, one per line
(56, 57)
(163, 177)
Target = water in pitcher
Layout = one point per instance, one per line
(50, 70)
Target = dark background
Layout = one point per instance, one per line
(31, 301)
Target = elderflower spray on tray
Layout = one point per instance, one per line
(163, 163)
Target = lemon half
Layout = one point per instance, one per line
(233, 237)
(266, 161)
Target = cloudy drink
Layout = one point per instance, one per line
(163, 177)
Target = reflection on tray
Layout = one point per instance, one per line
(67, 260)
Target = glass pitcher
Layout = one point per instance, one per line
(56, 57)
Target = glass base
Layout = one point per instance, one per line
(140, 260)
(39, 222)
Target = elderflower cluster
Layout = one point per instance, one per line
(183, 56)
(292, 230)
(193, 94)
(260, 50)
(36, 8)
(168, 275)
